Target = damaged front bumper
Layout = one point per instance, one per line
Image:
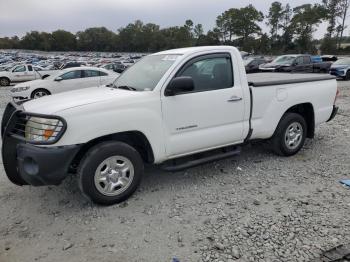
(26, 163)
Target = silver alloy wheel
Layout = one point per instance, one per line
(114, 175)
(294, 135)
(39, 94)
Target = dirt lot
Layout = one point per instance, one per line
(255, 207)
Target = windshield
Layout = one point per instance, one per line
(247, 61)
(146, 73)
(282, 60)
(55, 74)
(344, 61)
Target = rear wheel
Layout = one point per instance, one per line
(39, 93)
(110, 173)
(290, 135)
(4, 81)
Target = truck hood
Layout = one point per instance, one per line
(34, 83)
(339, 66)
(63, 101)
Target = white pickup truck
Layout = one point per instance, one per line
(178, 108)
(22, 73)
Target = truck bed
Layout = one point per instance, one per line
(269, 79)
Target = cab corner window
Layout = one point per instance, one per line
(212, 73)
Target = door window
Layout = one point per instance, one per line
(299, 60)
(91, 73)
(20, 69)
(30, 68)
(71, 75)
(210, 73)
(307, 60)
(103, 73)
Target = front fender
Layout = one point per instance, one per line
(87, 123)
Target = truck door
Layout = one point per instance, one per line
(31, 74)
(211, 115)
(309, 66)
(299, 64)
(91, 78)
(19, 74)
(68, 81)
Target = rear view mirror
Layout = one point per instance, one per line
(58, 79)
(179, 85)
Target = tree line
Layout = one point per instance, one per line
(291, 29)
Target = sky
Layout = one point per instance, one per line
(21, 16)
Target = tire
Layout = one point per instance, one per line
(290, 135)
(101, 170)
(4, 81)
(39, 93)
(347, 76)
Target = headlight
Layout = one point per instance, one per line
(19, 88)
(44, 130)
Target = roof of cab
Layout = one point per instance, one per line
(187, 50)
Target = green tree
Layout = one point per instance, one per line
(274, 19)
(35, 40)
(287, 29)
(306, 18)
(95, 39)
(63, 41)
(198, 31)
(242, 23)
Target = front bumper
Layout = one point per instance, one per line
(25, 163)
(338, 73)
(40, 166)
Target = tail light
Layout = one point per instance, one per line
(337, 96)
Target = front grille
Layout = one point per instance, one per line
(19, 125)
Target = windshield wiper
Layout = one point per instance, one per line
(126, 88)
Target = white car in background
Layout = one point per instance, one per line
(63, 81)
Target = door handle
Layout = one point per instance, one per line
(235, 99)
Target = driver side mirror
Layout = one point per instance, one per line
(58, 79)
(179, 85)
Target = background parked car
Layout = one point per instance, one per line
(329, 58)
(341, 68)
(65, 80)
(72, 64)
(116, 67)
(252, 64)
(296, 63)
(22, 73)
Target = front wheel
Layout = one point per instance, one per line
(110, 173)
(4, 81)
(290, 135)
(39, 93)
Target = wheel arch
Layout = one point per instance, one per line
(37, 89)
(135, 139)
(306, 110)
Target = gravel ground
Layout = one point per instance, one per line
(255, 207)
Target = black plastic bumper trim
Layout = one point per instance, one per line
(40, 166)
(334, 113)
